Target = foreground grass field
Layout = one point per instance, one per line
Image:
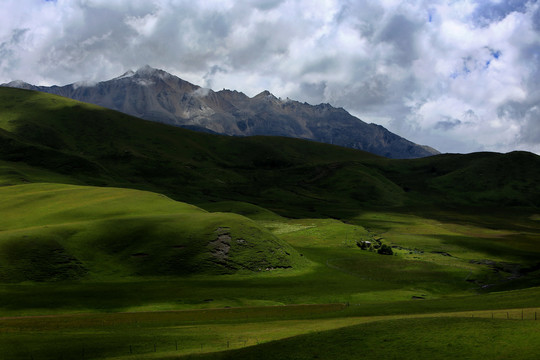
(426, 338)
(380, 301)
(285, 332)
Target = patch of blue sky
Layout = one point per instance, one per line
(466, 69)
(496, 53)
(431, 15)
(469, 64)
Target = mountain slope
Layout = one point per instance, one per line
(471, 179)
(159, 96)
(96, 146)
(44, 137)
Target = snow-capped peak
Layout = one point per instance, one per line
(17, 84)
(147, 70)
(127, 74)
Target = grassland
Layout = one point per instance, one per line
(291, 332)
(121, 238)
(425, 338)
(127, 317)
(329, 268)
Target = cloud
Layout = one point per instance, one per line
(487, 12)
(459, 76)
(448, 124)
(82, 84)
(201, 92)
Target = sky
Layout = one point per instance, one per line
(457, 75)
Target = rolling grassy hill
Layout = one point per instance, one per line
(66, 232)
(476, 179)
(49, 138)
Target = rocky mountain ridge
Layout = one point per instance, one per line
(156, 95)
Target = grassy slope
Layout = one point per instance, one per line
(479, 179)
(92, 145)
(100, 146)
(59, 232)
(300, 331)
(438, 338)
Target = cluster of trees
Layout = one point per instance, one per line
(385, 250)
(382, 249)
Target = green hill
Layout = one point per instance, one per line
(477, 179)
(50, 138)
(101, 147)
(61, 232)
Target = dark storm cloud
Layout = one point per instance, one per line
(401, 33)
(448, 124)
(530, 131)
(536, 20)
(267, 4)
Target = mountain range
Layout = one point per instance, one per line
(156, 95)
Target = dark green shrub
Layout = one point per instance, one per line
(385, 250)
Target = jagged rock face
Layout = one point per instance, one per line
(156, 95)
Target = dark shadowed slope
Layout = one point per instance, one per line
(49, 137)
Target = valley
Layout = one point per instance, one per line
(127, 239)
